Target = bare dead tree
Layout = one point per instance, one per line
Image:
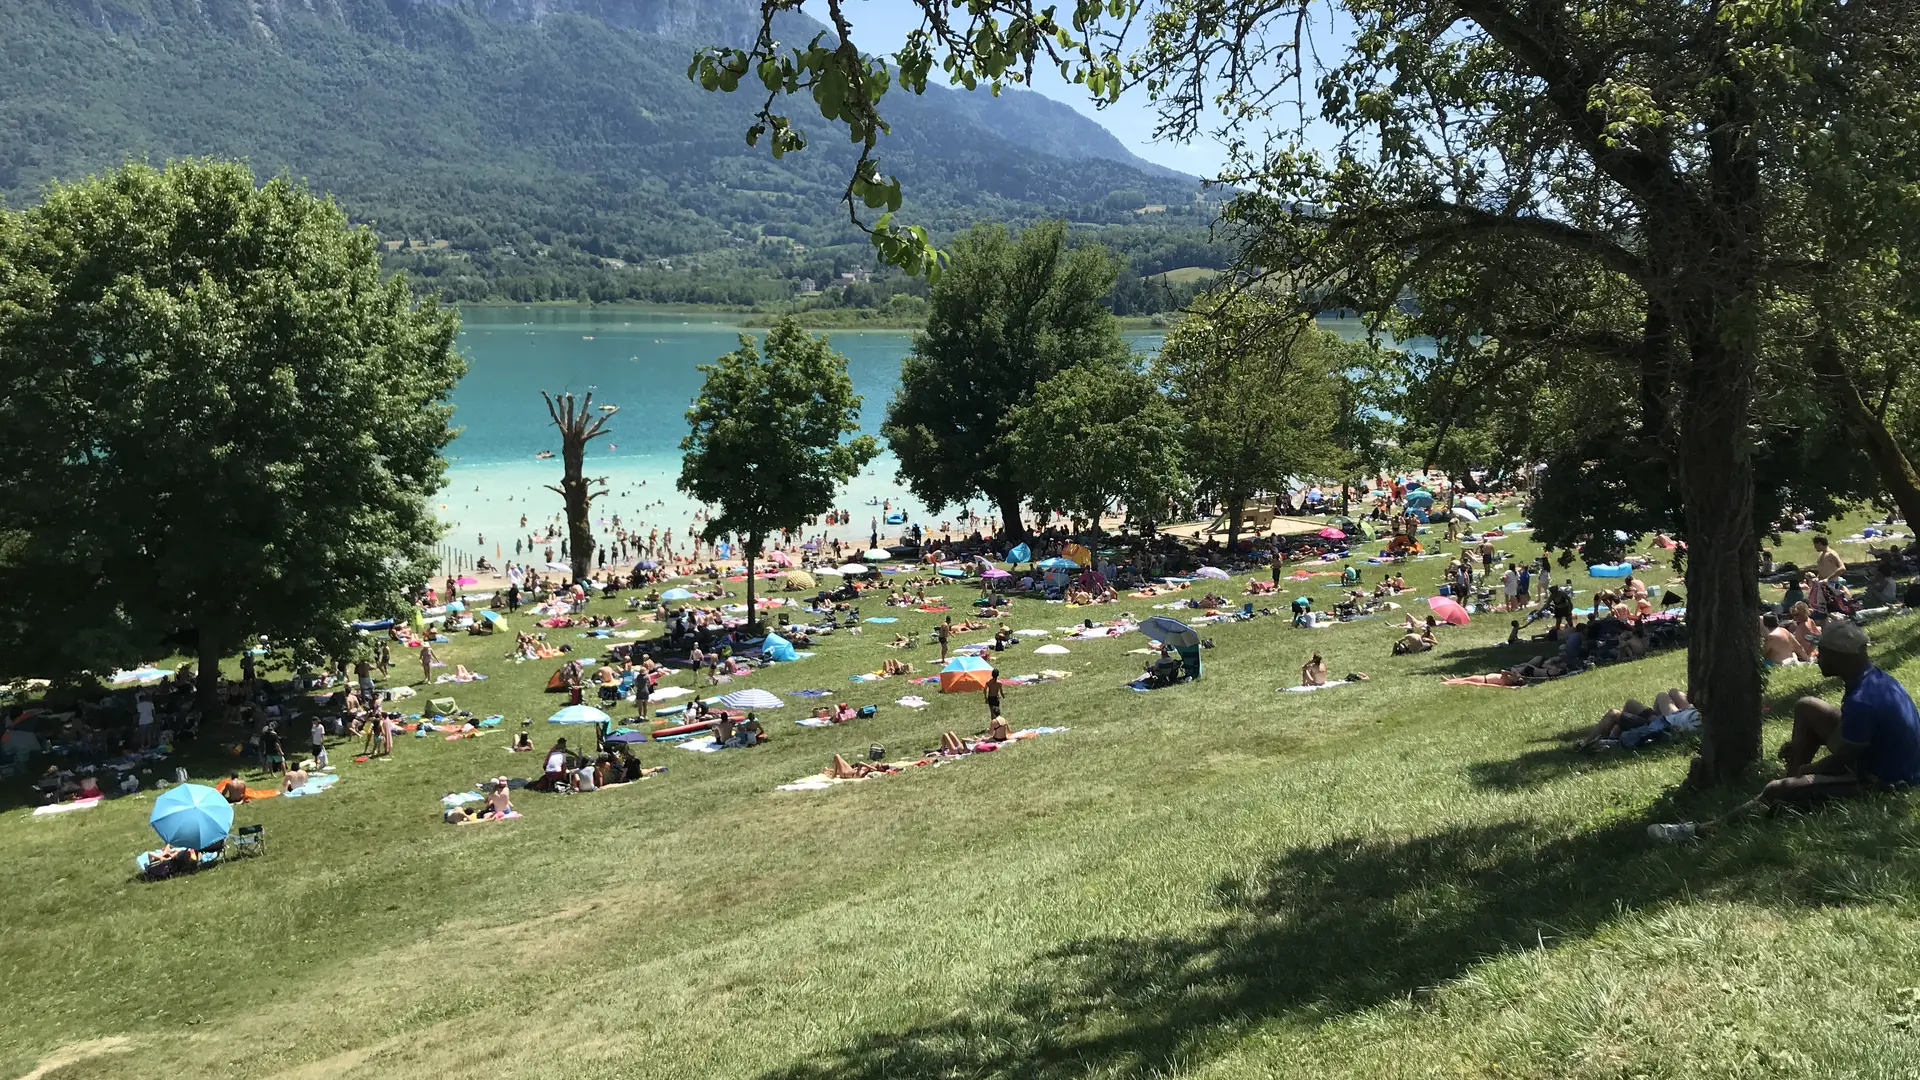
(579, 425)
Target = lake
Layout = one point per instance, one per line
(647, 363)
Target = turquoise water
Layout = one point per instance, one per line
(647, 363)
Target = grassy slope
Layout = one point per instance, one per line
(1394, 879)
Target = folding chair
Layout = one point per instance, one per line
(249, 840)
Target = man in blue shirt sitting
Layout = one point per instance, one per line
(1872, 738)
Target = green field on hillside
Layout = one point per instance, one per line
(1186, 274)
(1387, 879)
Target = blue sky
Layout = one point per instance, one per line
(881, 26)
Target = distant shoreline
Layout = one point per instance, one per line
(756, 319)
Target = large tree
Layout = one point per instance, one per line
(769, 442)
(1008, 314)
(1095, 435)
(218, 421)
(1254, 385)
(1670, 152)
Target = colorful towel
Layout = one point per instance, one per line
(461, 797)
(883, 619)
(61, 808)
(508, 816)
(808, 693)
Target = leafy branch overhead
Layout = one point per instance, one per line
(993, 44)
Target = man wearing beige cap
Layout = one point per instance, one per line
(1872, 738)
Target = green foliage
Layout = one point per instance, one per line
(1255, 387)
(768, 444)
(218, 420)
(1008, 314)
(1098, 433)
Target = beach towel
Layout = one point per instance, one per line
(668, 693)
(883, 619)
(808, 693)
(508, 816)
(61, 808)
(461, 797)
(913, 701)
(814, 721)
(1311, 689)
(705, 744)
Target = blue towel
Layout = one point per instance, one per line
(883, 619)
(808, 693)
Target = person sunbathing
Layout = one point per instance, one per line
(1415, 643)
(842, 769)
(523, 743)
(233, 789)
(895, 667)
(1633, 714)
(997, 730)
(1498, 678)
(295, 779)
(823, 712)
(1314, 672)
(969, 625)
(724, 728)
(1003, 637)
(953, 744)
(499, 799)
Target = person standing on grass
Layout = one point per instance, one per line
(319, 734)
(143, 715)
(275, 750)
(1510, 586)
(387, 724)
(383, 657)
(993, 695)
(426, 661)
(944, 631)
(1872, 740)
(363, 668)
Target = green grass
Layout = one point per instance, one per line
(1396, 879)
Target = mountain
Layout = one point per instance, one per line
(522, 139)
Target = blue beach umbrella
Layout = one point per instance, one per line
(579, 714)
(191, 816)
(1020, 553)
(646, 564)
(1057, 563)
(1170, 632)
(676, 594)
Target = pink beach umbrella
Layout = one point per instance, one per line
(1332, 534)
(1448, 609)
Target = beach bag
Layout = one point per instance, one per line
(876, 752)
(867, 711)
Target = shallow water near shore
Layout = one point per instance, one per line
(646, 362)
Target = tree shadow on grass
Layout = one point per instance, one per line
(1548, 763)
(1319, 932)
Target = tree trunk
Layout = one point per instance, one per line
(206, 678)
(1896, 471)
(1236, 516)
(1724, 673)
(579, 506)
(752, 547)
(1012, 529)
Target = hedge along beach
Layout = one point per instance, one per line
(647, 363)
